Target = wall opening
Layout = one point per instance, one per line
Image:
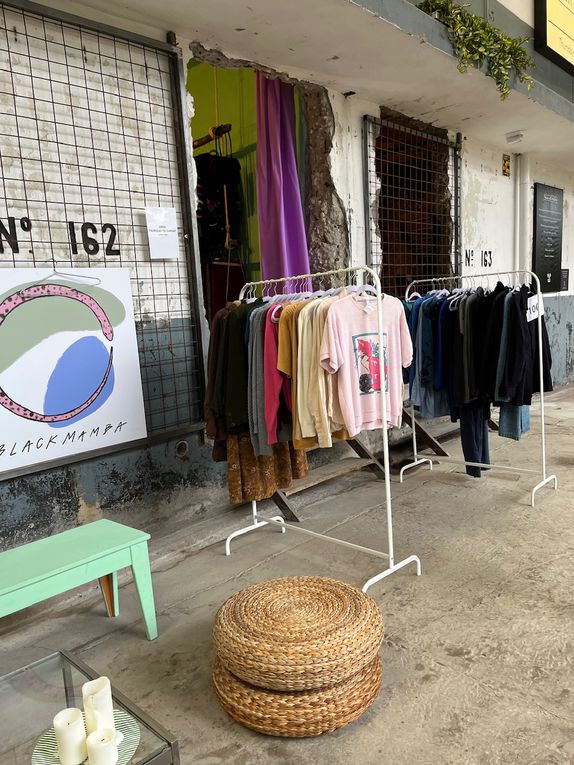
(224, 130)
(223, 91)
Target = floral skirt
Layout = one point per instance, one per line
(255, 478)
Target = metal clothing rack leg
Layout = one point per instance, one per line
(367, 461)
(417, 460)
(545, 478)
(258, 521)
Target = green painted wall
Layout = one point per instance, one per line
(228, 95)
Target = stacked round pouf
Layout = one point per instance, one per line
(297, 656)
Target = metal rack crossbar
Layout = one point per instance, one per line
(510, 468)
(258, 521)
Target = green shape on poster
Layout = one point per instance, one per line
(33, 322)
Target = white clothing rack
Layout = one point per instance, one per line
(422, 460)
(258, 522)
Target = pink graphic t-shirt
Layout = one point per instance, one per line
(351, 351)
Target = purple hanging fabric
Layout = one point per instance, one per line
(282, 238)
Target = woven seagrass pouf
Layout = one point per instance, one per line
(298, 633)
(299, 713)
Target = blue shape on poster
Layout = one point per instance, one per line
(79, 371)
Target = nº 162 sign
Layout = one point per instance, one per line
(90, 237)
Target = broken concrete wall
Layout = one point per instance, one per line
(559, 313)
(326, 219)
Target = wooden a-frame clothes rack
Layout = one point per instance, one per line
(258, 521)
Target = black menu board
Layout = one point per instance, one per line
(547, 243)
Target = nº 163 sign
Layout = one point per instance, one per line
(91, 238)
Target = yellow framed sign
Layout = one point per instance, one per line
(554, 31)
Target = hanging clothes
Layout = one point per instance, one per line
(277, 387)
(235, 407)
(305, 361)
(288, 364)
(514, 421)
(520, 378)
(255, 478)
(318, 387)
(215, 427)
(431, 401)
(256, 394)
(287, 375)
(217, 178)
(282, 237)
(473, 349)
(351, 350)
(474, 436)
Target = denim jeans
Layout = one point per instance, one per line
(514, 421)
(474, 436)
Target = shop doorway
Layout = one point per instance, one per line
(224, 128)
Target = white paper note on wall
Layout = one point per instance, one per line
(162, 233)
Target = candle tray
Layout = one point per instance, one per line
(46, 749)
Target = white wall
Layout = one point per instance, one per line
(347, 165)
(524, 9)
(487, 211)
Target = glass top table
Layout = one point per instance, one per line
(31, 697)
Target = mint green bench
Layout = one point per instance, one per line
(39, 570)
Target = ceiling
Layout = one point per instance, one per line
(344, 47)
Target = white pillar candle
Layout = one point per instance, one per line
(98, 704)
(102, 747)
(70, 736)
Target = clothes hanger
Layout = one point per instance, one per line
(274, 316)
(74, 277)
(370, 288)
(353, 287)
(251, 295)
(361, 288)
(442, 292)
(456, 297)
(304, 293)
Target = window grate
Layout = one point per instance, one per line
(412, 191)
(90, 134)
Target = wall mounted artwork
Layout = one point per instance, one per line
(69, 367)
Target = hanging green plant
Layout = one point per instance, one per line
(475, 42)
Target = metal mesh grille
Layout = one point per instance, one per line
(412, 188)
(88, 138)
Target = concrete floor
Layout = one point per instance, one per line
(478, 652)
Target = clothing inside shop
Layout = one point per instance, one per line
(248, 130)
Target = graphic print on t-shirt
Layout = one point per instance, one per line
(367, 362)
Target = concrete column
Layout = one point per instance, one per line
(525, 216)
